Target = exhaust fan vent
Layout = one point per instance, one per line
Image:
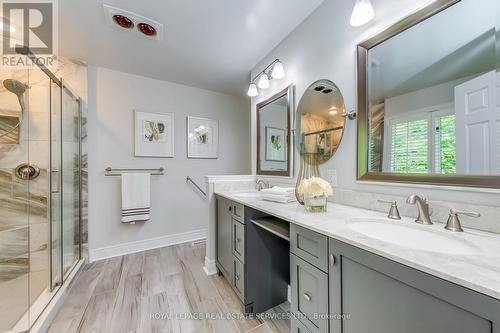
(132, 22)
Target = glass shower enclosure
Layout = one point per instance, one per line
(40, 192)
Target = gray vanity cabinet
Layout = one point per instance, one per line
(231, 244)
(381, 296)
(224, 237)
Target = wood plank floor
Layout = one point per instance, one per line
(161, 290)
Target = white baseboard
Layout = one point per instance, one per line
(146, 244)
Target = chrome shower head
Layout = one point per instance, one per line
(17, 88)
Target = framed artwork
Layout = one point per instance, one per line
(275, 144)
(202, 137)
(154, 134)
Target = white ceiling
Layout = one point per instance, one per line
(207, 44)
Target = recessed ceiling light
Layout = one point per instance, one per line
(333, 110)
(123, 21)
(146, 29)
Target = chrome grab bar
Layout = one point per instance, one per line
(154, 172)
(189, 180)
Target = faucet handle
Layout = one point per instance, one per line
(453, 223)
(393, 211)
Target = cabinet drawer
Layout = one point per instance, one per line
(238, 240)
(309, 294)
(310, 246)
(238, 212)
(239, 279)
(296, 326)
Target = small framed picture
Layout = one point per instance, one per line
(202, 137)
(154, 134)
(275, 144)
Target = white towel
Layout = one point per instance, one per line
(135, 197)
(278, 198)
(278, 190)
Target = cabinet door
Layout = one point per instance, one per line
(309, 294)
(239, 279)
(378, 295)
(224, 252)
(238, 240)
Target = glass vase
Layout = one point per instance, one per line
(315, 204)
(309, 167)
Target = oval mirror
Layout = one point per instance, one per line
(320, 120)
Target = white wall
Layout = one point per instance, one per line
(175, 208)
(324, 47)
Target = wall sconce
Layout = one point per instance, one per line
(274, 70)
(362, 13)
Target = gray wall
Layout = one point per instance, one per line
(324, 46)
(176, 208)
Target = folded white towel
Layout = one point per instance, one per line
(278, 190)
(135, 197)
(278, 198)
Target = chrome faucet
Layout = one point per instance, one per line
(423, 208)
(261, 184)
(453, 223)
(393, 211)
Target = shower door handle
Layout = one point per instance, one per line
(54, 189)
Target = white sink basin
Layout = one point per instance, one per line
(248, 195)
(413, 237)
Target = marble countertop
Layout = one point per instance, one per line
(479, 272)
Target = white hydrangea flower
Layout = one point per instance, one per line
(315, 186)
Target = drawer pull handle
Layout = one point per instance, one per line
(238, 240)
(332, 259)
(307, 297)
(230, 208)
(237, 277)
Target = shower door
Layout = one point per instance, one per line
(65, 182)
(70, 120)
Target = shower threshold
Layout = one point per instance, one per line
(45, 306)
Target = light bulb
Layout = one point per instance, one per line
(278, 71)
(252, 90)
(362, 13)
(263, 81)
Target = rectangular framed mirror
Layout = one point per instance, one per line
(274, 143)
(429, 98)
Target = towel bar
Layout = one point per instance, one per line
(118, 171)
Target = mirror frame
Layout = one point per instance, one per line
(363, 174)
(288, 92)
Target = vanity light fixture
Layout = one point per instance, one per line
(252, 90)
(278, 71)
(362, 13)
(274, 70)
(263, 81)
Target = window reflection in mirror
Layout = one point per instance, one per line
(434, 95)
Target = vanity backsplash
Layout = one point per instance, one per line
(489, 220)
